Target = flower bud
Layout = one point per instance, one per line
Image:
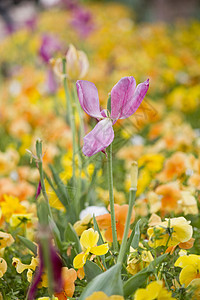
(76, 63)
(134, 175)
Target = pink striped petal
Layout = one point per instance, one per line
(88, 98)
(99, 138)
(139, 94)
(129, 97)
(121, 94)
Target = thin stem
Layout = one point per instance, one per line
(127, 225)
(71, 113)
(111, 196)
(40, 168)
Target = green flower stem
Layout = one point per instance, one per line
(111, 196)
(40, 168)
(71, 114)
(127, 225)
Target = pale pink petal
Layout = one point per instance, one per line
(121, 94)
(88, 98)
(99, 138)
(132, 105)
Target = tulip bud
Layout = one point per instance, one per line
(134, 175)
(77, 63)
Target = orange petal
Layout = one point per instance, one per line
(104, 221)
(81, 273)
(187, 245)
(122, 214)
(108, 235)
(61, 296)
(120, 231)
(171, 249)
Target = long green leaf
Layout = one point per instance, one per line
(91, 270)
(136, 237)
(108, 282)
(100, 241)
(30, 245)
(71, 236)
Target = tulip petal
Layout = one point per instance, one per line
(100, 250)
(139, 94)
(88, 98)
(125, 98)
(121, 96)
(99, 138)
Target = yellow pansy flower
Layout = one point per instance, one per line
(83, 224)
(170, 232)
(154, 290)
(190, 265)
(19, 219)
(6, 239)
(20, 267)
(11, 205)
(137, 260)
(3, 267)
(88, 240)
(153, 162)
(103, 296)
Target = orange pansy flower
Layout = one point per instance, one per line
(68, 276)
(104, 222)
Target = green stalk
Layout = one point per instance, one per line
(111, 196)
(71, 112)
(133, 190)
(127, 225)
(40, 168)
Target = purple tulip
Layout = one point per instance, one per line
(82, 22)
(56, 268)
(50, 45)
(125, 100)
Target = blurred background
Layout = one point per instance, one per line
(14, 12)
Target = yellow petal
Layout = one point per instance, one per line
(98, 296)
(116, 297)
(154, 289)
(186, 260)
(89, 238)
(79, 260)
(3, 267)
(141, 294)
(100, 250)
(182, 229)
(187, 275)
